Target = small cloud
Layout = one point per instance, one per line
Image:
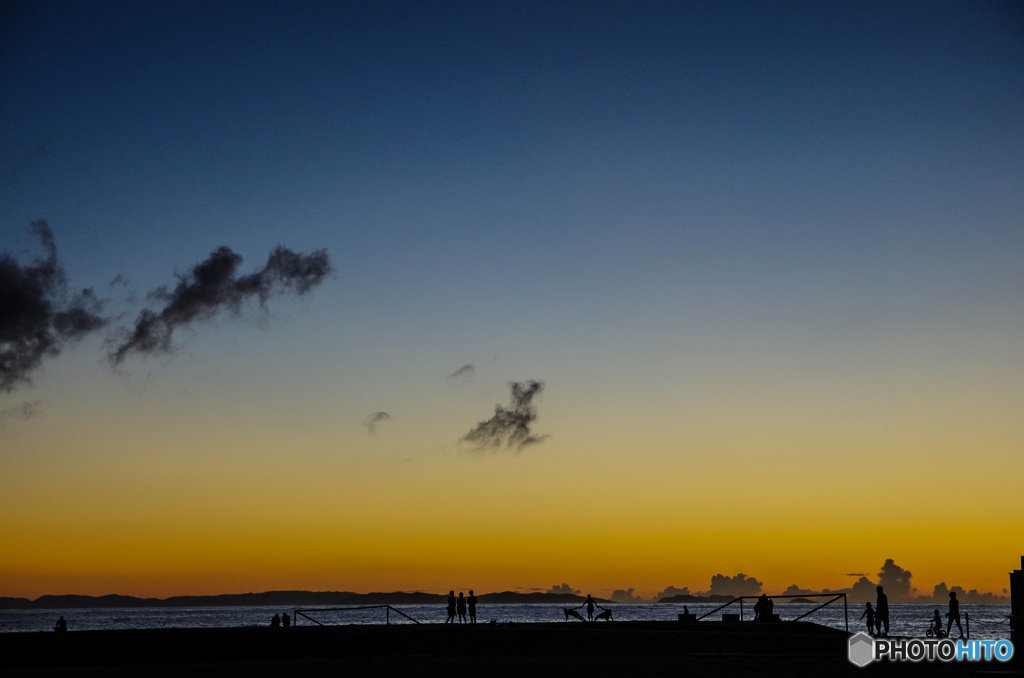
(564, 589)
(509, 428)
(855, 574)
(372, 421)
(24, 411)
(465, 372)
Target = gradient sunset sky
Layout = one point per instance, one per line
(767, 259)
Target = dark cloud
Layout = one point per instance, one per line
(625, 596)
(213, 286)
(509, 428)
(795, 590)
(374, 419)
(36, 315)
(855, 574)
(863, 590)
(940, 595)
(740, 585)
(24, 411)
(673, 591)
(564, 588)
(464, 372)
(895, 580)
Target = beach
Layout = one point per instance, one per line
(632, 648)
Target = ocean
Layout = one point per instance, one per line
(986, 621)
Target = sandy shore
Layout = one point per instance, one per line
(530, 650)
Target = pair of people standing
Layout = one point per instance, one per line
(459, 605)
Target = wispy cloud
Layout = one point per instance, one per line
(509, 428)
(464, 372)
(373, 420)
(213, 286)
(24, 411)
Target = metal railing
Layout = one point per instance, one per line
(387, 613)
(832, 597)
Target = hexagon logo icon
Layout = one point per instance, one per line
(861, 649)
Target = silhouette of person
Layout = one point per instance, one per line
(451, 608)
(937, 624)
(461, 606)
(881, 611)
(286, 621)
(763, 608)
(589, 602)
(61, 626)
(869, 612)
(954, 614)
(275, 621)
(472, 607)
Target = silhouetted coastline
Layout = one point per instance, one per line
(282, 598)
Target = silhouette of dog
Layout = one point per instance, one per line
(606, 615)
(569, 612)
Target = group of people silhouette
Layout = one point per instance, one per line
(878, 617)
(277, 622)
(458, 606)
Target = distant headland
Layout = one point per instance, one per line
(285, 598)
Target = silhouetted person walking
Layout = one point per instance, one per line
(451, 608)
(61, 626)
(461, 606)
(881, 611)
(869, 612)
(954, 614)
(472, 607)
(589, 602)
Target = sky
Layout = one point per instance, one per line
(763, 260)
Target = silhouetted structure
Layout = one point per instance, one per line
(472, 607)
(881, 611)
(451, 608)
(869, 612)
(461, 607)
(953, 614)
(1017, 603)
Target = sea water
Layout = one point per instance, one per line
(986, 621)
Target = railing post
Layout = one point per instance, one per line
(846, 614)
(741, 609)
(387, 615)
(967, 618)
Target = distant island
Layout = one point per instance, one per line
(284, 599)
